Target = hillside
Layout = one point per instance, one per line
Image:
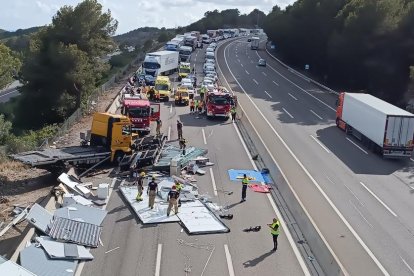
(138, 36)
(20, 32)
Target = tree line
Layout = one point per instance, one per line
(357, 45)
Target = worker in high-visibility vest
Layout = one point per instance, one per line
(140, 186)
(179, 187)
(245, 183)
(274, 230)
(192, 106)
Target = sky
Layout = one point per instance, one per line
(131, 14)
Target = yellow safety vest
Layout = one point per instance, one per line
(179, 187)
(274, 224)
(245, 181)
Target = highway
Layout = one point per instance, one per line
(9, 92)
(361, 203)
(130, 248)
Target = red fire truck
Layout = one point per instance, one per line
(140, 111)
(218, 103)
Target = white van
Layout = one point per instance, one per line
(210, 55)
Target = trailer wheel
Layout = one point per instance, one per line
(118, 156)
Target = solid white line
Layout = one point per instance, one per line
(290, 115)
(314, 113)
(269, 197)
(351, 229)
(9, 93)
(264, 74)
(171, 109)
(241, 64)
(412, 159)
(320, 144)
(360, 213)
(247, 72)
(270, 96)
(255, 81)
(322, 102)
(169, 133)
(158, 263)
(407, 265)
(292, 96)
(380, 201)
(355, 144)
(276, 83)
(204, 136)
(213, 181)
(229, 262)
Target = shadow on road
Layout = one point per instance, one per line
(257, 260)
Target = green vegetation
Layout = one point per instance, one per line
(230, 18)
(9, 66)
(353, 44)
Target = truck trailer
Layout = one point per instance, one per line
(254, 44)
(160, 63)
(383, 127)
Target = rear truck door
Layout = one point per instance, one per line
(155, 111)
(399, 132)
(121, 137)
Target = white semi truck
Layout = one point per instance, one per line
(160, 63)
(383, 127)
(254, 44)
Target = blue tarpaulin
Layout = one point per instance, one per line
(237, 175)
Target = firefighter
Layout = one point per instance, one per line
(140, 185)
(173, 196)
(152, 192)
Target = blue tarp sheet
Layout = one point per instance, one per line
(256, 176)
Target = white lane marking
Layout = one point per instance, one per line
(229, 262)
(241, 64)
(293, 96)
(270, 96)
(5, 94)
(412, 159)
(276, 83)
(195, 59)
(204, 136)
(247, 72)
(255, 81)
(239, 60)
(322, 102)
(355, 144)
(380, 201)
(407, 265)
(264, 74)
(213, 181)
(290, 115)
(269, 197)
(113, 249)
(348, 190)
(169, 133)
(314, 113)
(158, 262)
(171, 109)
(360, 213)
(351, 229)
(237, 55)
(320, 144)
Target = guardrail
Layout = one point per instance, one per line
(300, 74)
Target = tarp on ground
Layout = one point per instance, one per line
(254, 176)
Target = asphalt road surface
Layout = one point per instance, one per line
(166, 249)
(7, 94)
(361, 202)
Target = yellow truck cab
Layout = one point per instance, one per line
(163, 87)
(184, 69)
(182, 96)
(112, 131)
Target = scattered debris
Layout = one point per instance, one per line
(253, 229)
(260, 188)
(60, 250)
(116, 248)
(8, 267)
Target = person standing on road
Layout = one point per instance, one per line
(200, 107)
(152, 192)
(192, 104)
(183, 144)
(180, 129)
(159, 124)
(274, 230)
(202, 92)
(179, 187)
(172, 200)
(245, 183)
(140, 186)
(233, 113)
(196, 105)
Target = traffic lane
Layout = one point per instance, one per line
(349, 251)
(219, 145)
(128, 247)
(306, 146)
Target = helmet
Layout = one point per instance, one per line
(142, 174)
(173, 187)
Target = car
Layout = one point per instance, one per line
(212, 75)
(213, 45)
(210, 62)
(210, 79)
(261, 62)
(208, 67)
(186, 82)
(249, 40)
(210, 50)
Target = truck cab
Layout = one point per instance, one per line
(184, 70)
(218, 103)
(163, 87)
(140, 112)
(185, 53)
(182, 96)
